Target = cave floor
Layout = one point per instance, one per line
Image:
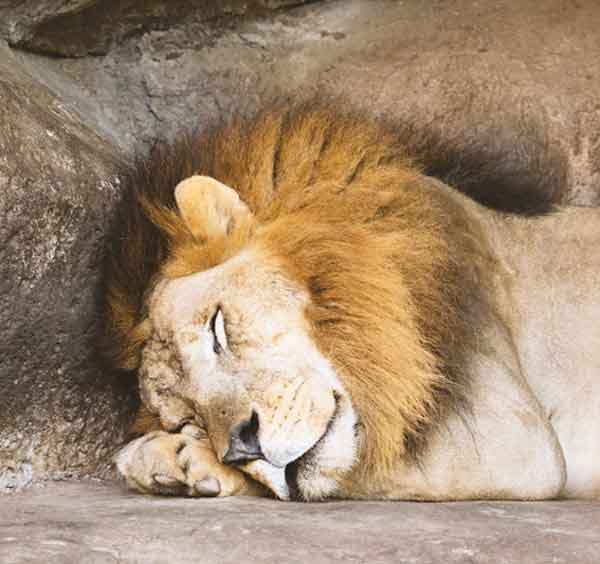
(91, 522)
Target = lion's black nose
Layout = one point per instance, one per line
(243, 442)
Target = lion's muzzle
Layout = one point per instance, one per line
(266, 442)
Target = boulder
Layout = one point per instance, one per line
(77, 28)
(518, 82)
(60, 413)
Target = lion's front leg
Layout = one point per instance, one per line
(180, 464)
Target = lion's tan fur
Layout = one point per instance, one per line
(339, 207)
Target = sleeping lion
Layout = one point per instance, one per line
(310, 316)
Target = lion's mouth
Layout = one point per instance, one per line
(291, 479)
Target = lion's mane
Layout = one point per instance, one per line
(340, 206)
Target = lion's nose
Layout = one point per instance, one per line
(243, 442)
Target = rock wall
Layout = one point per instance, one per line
(485, 74)
(59, 414)
(77, 28)
(84, 84)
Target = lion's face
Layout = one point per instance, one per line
(231, 350)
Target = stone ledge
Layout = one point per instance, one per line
(65, 29)
(99, 522)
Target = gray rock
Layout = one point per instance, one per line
(485, 75)
(60, 414)
(93, 523)
(77, 28)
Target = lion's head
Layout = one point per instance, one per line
(303, 317)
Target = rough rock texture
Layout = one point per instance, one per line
(76, 28)
(485, 74)
(495, 75)
(73, 523)
(59, 414)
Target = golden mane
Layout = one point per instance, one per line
(338, 204)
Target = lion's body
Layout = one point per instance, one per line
(547, 294)
(534, 427)
(466, 340)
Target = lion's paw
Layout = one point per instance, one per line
(179, 464)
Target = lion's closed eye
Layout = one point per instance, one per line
(217, 329)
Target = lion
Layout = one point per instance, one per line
(311, 316)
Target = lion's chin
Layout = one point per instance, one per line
(273, 477)
(283, 481)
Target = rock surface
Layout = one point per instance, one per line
(494, 75)
(77, 28)
(93, 523)
(59, 414)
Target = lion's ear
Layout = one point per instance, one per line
(209, 208)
